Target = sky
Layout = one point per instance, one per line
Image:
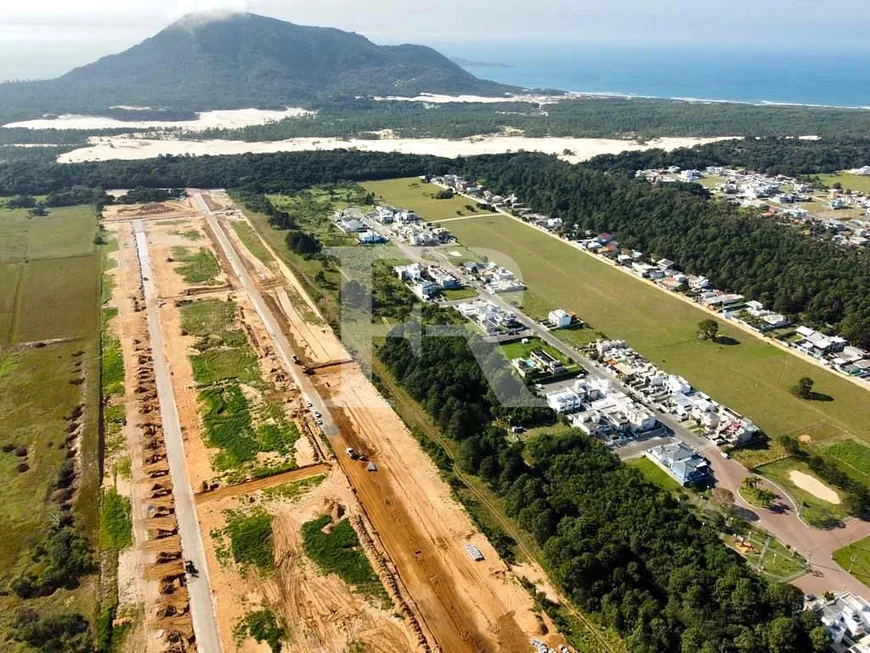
(45, 38)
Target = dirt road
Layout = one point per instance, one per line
(262, 483)
(199, 588)
(467, 606)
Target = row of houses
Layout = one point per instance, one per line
(847, 620)
(491, 319)
(595, 406)
(426, 282)
(674, 394)
(493, 278)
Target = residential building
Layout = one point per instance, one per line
(565, 401)
(371, 238)
(547, 362)
(559, 319)
(686, 465)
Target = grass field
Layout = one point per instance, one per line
(855, 559)
(453, 294)
(57, 298)
(412, 193)
(64, 232)
(814, 510)
(853, 182)
(654, 474)
(753, 377)
(252, 241)
(51, 289)
(852, 457)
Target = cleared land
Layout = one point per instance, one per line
(412, 193)
(753, 376)
(855, 559)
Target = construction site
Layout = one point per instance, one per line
(245, 411)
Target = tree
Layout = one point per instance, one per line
(444, 194)
(723, 498)
(751, 482)
(303, 243)
(804, 388)
(708, 329)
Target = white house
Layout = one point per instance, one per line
(559, 318)
(565, 401)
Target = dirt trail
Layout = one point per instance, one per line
(250, 487)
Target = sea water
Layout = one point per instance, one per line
(796, 75)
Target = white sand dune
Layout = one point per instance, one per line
(570, 149)
(206, 120)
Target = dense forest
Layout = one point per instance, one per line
(787, 156)
(812, 281)
(616, 545)
(593, 117)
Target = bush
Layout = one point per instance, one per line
(251, 539)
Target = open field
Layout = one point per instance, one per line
(858, 183)
(654, 474)
(852, 457)
(752, 377)
(57, 299)
(855, 558)
(519, 349)
(64, 232)
(412, 193)
(791, 475)
(49, 399)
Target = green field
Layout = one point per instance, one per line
(66, 231)
(852, 457)
(520, 349)
(753, 377)
(855, 559)
(252, 241)
(57, 298)
(200, 267)
(412, 193)
(858, 183)
(815, 511)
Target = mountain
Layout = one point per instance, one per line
(244, 60)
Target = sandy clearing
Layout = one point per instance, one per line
(814, 486)
(229, 119)
(581, 149)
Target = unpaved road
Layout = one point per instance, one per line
(467, 606)
(263, 483)
(201, 602)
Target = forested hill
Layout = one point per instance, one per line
(240, 61)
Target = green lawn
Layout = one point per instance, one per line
(208, 317)
(519, 349)
(753, 377)
(859, 183)
(452, 294)
(814, 510)
(654, 474)
(855, 559)
(10, 274)
(412, 193)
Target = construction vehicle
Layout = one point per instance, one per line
(295, 359)
(306, 370)
(350, 452)
(190, 568)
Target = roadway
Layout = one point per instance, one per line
(202, 608)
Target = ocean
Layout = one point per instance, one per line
(793, 75)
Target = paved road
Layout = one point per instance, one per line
(201, 599)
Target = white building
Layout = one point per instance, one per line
(564, 401)
(559, 318)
